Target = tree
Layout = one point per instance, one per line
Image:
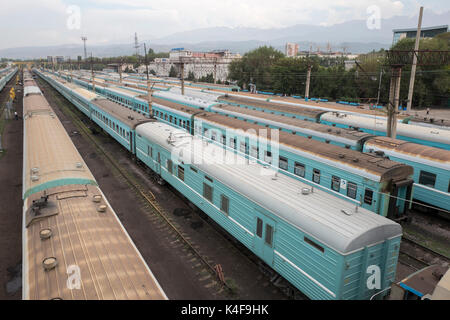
(191, 76)
(209, 78)
(432, 83)
(173, 72)
(255, 67)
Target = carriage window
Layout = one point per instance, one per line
(368, 196)
(269, 235)
(170, 166)
(181, 173)
(299, 169)
(268, 157)
(224, 139)
(208, 192)
(233, 143)
(243, 147)
(427, 179)
(336, 183)
(259, 227)
(315, 245)
(254, 152)
(193, 169)
(448, 186)
(316, 176)
(224, 204)
(352, 189)
(283, 163)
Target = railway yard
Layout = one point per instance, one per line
(384, 201)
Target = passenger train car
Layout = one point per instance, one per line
(290, 226)
(6, 75)
(119, 122)
(74, 246)
(428, 136)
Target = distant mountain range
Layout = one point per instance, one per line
(353, 35)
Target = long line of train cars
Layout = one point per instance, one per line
(74, 246)
(375, 183)
(323, 245)
(431, 165)
(6, 75)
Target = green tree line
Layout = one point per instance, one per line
(270, 70)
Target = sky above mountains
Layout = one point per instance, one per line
(56, 22)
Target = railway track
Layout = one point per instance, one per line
(426, 249)
(143, 192)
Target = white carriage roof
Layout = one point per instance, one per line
(184, 99)
(329, 219)
(379, 124)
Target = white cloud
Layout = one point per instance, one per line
(44, 22)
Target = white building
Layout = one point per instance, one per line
(291, 49)
(199, 63)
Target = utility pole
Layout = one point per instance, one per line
(120, 71)
(85, 53)
(308, 79)
(148, 82)
(70, 71)
(379, 87)
(182, 77)
(414, 65)
(394, 97)
(136, 44)
(215, 70)
(92, 74)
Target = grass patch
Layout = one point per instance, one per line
(420, 237)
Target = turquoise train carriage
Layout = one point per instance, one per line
(346, 138)
(323, 245)
(6, 75)
(376, 183)
(117, 121)
(427, 136)
(431, 169)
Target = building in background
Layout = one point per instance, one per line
(291, 49)
(428, 32)
(200, 64)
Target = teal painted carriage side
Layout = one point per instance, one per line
(268, 110)
(314, 268)
(263, 122)
(253, 148)
(114, 127)
(437, 195)
(241, 222)
(358, 276)
(133, 103)
(445, 146)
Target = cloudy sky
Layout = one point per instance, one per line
(54, 22)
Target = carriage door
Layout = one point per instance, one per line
(264, 237)
(158, 164)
